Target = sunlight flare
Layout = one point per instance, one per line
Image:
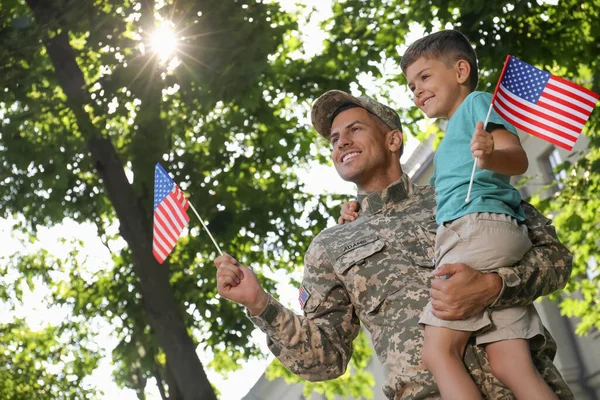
(164, 42)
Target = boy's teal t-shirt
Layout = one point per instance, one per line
(453, 163)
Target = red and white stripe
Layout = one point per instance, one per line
(559, 115)
(170, 218)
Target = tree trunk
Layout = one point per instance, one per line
(174, 392)
(159, 382)
(164, 314)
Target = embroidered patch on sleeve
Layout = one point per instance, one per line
(303, 296)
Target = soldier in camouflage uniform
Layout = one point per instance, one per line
(378, 270)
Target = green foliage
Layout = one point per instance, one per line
(355, 383)
(46, 364)
(222, 122)
(578, 228)
(229, 124)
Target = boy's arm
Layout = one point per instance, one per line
(499, 151)
(544, 269)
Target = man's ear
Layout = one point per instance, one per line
(395, 140)
(463, 70)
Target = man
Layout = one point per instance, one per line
(378, 269)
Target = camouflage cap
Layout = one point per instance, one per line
(325, 107)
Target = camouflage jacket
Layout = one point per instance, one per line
(378, 270)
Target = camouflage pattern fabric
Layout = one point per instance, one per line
(378, 270)
(326, 105)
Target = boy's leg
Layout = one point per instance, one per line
(512, 364)
(442, 354)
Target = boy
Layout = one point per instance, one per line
(485, 233)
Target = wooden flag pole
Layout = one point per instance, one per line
(468, 199)
(205, 228)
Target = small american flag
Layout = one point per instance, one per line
(542, 104)
(170, 214)
(303, 296)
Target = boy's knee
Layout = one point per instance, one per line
(428, 356)
(501, 368)
(433, 352)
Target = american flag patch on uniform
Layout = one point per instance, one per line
(303, 296)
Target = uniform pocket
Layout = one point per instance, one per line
(419, 243)
(358, 252)
(368, 272)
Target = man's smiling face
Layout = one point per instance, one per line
(359, 148)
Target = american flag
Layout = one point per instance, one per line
(170, 214)
(303, 296)
(542, 104)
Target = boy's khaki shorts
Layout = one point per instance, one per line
(486, 241)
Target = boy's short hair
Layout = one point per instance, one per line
(448, 47)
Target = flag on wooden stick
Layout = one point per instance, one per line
(170, 214)
(541, 104)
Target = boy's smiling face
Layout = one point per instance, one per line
(438, 90)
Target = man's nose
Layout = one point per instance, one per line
(343, 141)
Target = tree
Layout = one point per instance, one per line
(88, 108)
(47, 362)
(36, 365)
(86, 102)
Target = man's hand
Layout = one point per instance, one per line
(465, 293)
(238, 283)
(482, 145)
(349, 212)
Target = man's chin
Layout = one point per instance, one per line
(349, 177)
(350, 173)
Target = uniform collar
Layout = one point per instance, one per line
(373, 202)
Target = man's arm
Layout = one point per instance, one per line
(545, 268)
(317, 346)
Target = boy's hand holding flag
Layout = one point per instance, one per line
(541, 104)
